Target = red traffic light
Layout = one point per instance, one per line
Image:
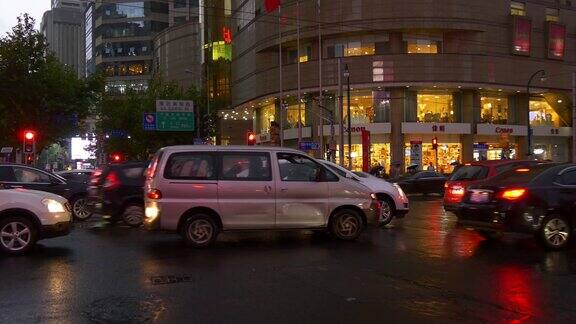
(29, 135)
(250, 138)
(116, 157)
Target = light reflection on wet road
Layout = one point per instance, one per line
(423, 268)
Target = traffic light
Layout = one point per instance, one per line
(29, 146)
(117, 157)
(250, 138)
(435, 143)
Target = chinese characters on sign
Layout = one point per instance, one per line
(175, 115)
(521, 35)
(438, 128)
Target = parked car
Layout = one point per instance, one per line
(116, 192)
(472, 173)
(80, 176)
(23, 176)
(425, 182)
(393, 201)
(199, 191)
(27, 216)
(539, 199)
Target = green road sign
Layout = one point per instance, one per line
(175, 121)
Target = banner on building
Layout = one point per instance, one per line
(521, 35)
(556, 40)
(365, 150)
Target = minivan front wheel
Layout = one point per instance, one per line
(346, 225)
(200, 230)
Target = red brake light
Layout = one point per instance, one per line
(513, 194)
(154, 194)
(95, 178)
(457, 191)
(523, 170)
(112, 181)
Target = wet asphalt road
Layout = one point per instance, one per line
(422, 269)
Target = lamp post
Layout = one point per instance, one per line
(542, 74)
(347, 76)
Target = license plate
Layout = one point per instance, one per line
(480, 196)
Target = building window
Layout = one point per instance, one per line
(351, 49)
(552, 14)
(179, 20)
(542, 114)
(179, 3)
(517, 8)
(435, 107)
(361, 107)
(494, 110)
(292, 115)
(423, 46)
(267, 115)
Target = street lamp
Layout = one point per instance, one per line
(542, 74)
(347, 76)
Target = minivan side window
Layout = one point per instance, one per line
(245, 166)
(296, 167)
(191, 166)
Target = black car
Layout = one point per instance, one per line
(81, 176)
(425, 182)
(27, 177)
(538, 200)
(117, 193)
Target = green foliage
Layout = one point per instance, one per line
(36, 91)
(125, 113)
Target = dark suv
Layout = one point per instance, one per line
(116, 192)
(13, 176)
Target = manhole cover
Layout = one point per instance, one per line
(124, 309)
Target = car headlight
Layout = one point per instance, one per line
(400, 191)
(53, 206)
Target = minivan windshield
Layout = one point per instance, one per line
(469, 172)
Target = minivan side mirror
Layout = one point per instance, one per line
(349, 175)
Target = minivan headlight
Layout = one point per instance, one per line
(53, 206)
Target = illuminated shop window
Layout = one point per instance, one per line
(292, 115)
(494, 110)
(423, 46)
(221, 50)
(517, 8)
(267, 115)
(448, 153)
(435, 108)
(542, 114)
(361, 107)
(379, 154)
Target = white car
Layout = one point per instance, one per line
(27, 216)
(394, 202)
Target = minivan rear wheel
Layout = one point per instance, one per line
(200, 231)
(346, 225)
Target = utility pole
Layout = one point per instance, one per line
(574, 117)
(321, 102)
(341, 111)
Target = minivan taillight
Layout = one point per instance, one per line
(111, 181)
(154, 194)
(513, 194)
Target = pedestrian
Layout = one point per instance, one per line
(430, 167)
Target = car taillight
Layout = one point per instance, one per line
(154, 194)
(95, 178)
(111, 181)
(513, 194)
(458, 191)
(151, 171)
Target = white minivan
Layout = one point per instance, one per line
(199, 191)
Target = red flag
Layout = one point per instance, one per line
(272, 5)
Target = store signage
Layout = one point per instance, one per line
(556, 40)
(416, 154)
(365, 150)
(432, 128)
(308, 146)
(374, 128)
(551, 131)
(263, 138)
(521, 35)
(502, 130)
(227, 35)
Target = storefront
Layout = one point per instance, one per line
(552, 143)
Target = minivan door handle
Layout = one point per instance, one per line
(284, 190)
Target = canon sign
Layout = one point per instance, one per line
(503, 130)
